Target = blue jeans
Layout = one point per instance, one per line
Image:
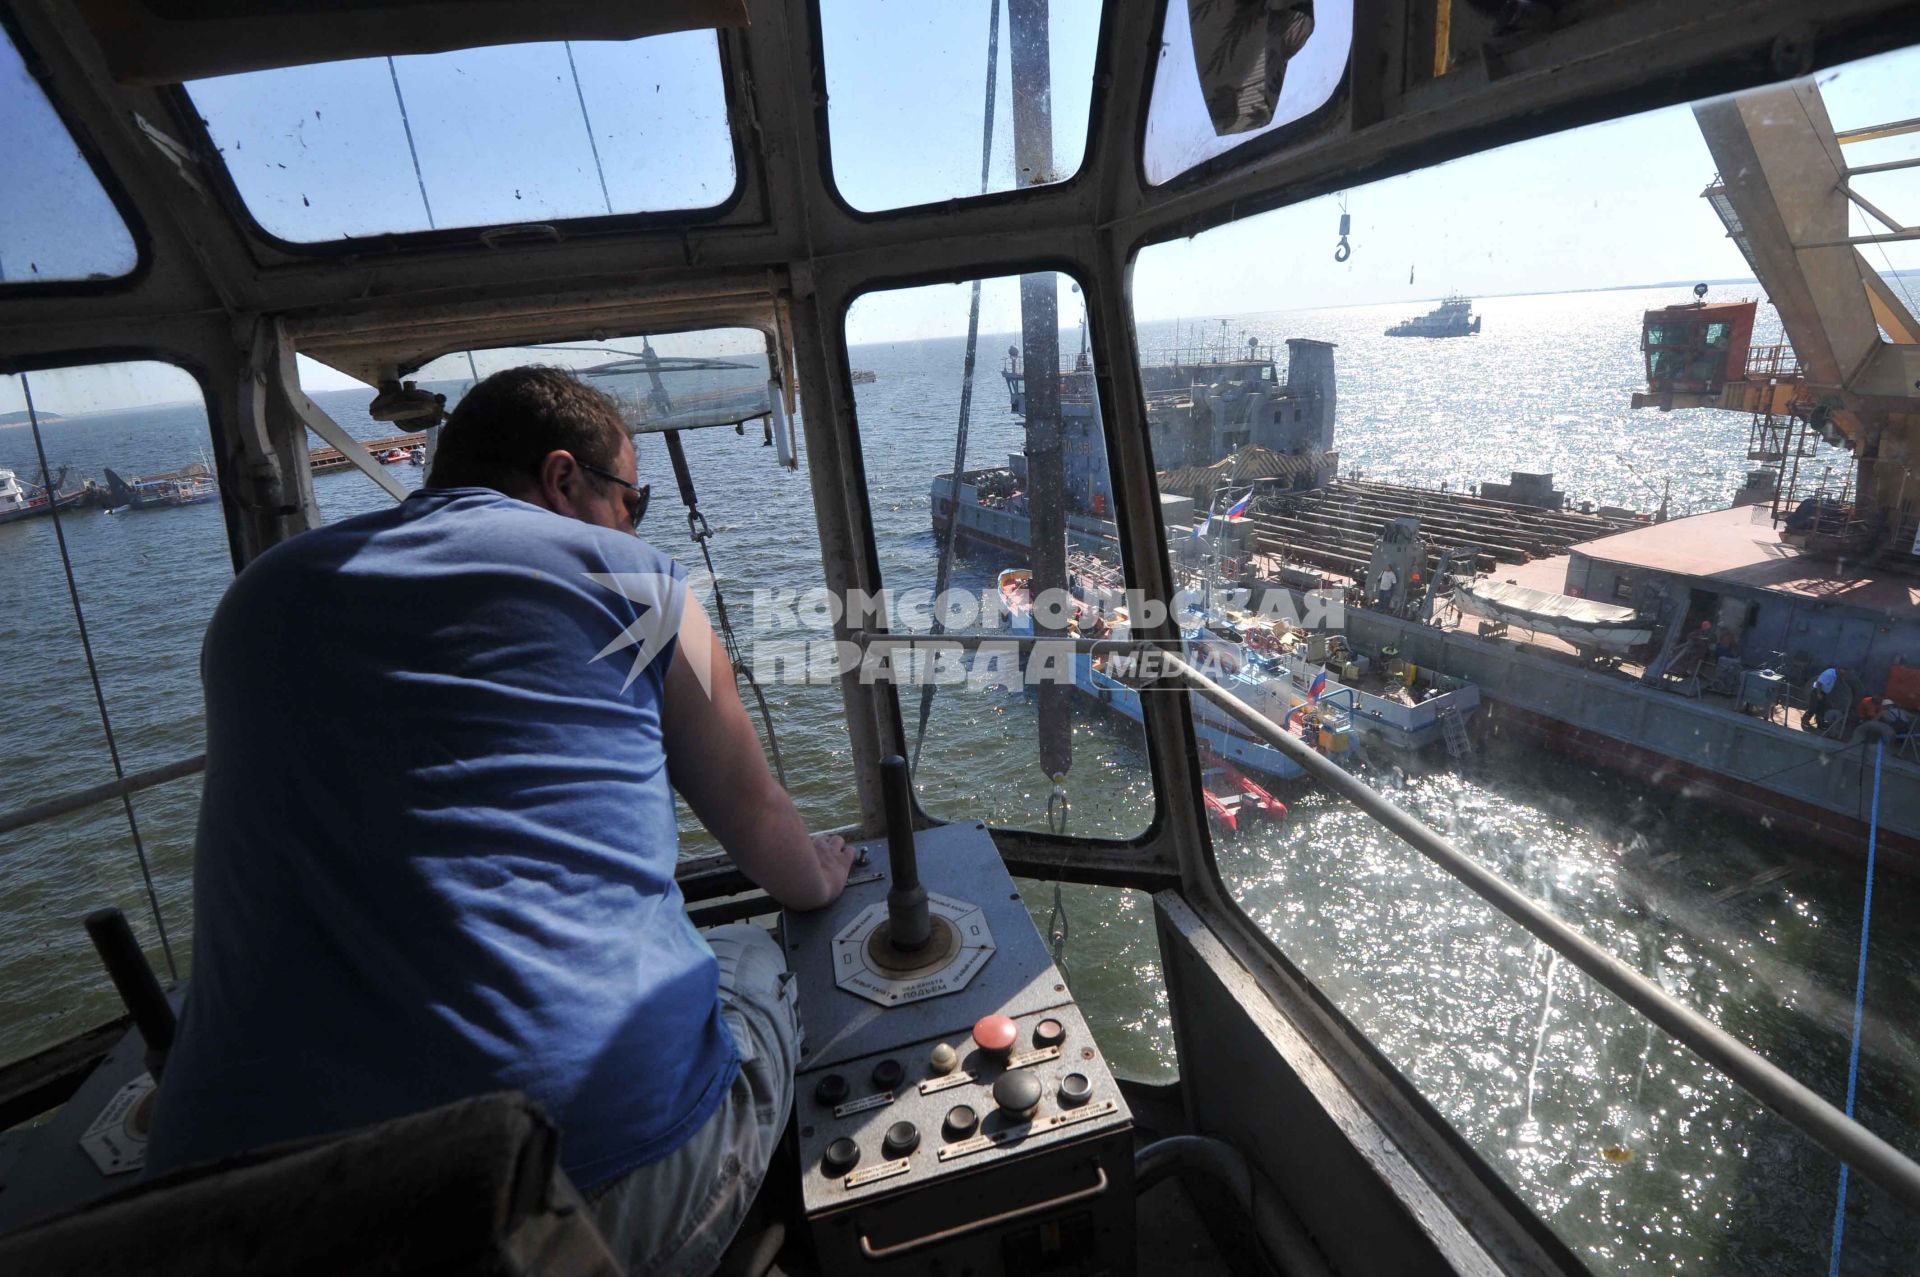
(676, 1216)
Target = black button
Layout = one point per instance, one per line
(1049, 1033)
(887, 1074)
(961, 1122)
(831, 1089)
(1017, 1093)
(842, 1156)
(901, 1138)
(1075, 1089)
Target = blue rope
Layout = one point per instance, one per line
(1859, 1005)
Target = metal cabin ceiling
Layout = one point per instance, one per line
(786, 229)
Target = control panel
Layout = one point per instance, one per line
(952, 1103)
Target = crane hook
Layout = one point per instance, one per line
(1344, 250)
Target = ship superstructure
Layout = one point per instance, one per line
(1201, 411)
(1453, 317)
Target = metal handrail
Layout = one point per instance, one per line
(36, 813)
(1778, 1090)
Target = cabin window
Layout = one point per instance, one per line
(131, 439)
(712, 386)
(1180, 133)
(1576, 1102)
(999, 722)
(508, 135)
(906, 89)
(56, 222)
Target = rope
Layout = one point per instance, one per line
(1807, 762)
(93, 674)
(702, 533)
(1859, 1006)
(944, 572)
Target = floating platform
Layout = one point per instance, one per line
(323, 460)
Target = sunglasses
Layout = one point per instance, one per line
(636, 495)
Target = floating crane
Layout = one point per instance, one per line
(1849, 374)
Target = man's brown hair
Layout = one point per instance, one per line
(509, 422)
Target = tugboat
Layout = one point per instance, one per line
(1451, 318)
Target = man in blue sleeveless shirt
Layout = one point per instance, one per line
(437, 843)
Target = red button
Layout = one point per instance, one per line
(995, 1033)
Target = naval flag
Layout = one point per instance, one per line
(1238, 510)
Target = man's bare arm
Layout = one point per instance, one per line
(714, 759)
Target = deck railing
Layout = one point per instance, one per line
(1772, 362)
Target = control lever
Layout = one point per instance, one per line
(908, 926)
(139, 988)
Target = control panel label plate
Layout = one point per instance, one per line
(878, 1100)
(885, 1170)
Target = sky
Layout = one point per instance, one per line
(502, 135)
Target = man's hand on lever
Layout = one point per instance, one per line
(714, 758)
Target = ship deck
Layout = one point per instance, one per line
(1742, 547)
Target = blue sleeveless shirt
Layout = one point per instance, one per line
(437, 844)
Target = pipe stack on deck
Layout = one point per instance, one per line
(1336, 528)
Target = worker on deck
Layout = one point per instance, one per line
(437, 845)
(1820, 702)
(1383, 588)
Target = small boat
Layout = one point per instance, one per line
(1247, 797)
(417, 454)
(394, 456)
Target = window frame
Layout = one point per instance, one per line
(1103, 79)
(888, 694)
(217, 406)
(1288, 135)
(195, 134)
(103, 174)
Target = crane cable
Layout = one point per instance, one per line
(702, 533)
(93, 673)
(943, 574)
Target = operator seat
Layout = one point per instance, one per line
(472, 1187)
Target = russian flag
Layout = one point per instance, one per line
(1238, 509)
(1316, 687)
